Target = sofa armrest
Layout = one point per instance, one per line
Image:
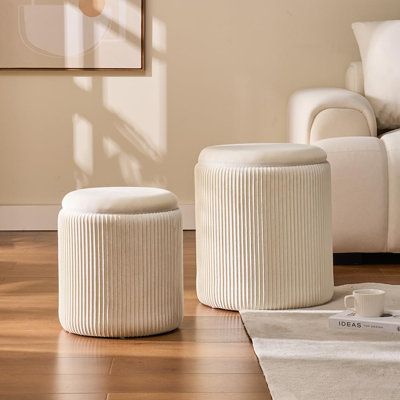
(323, 113)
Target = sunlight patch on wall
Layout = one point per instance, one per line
(143, 119)
(84, 82)
(82, 149)
(159, 36)
(129, 166)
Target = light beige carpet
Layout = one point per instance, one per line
(303, 359)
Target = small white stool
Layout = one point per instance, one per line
(263, 226)
(120, 262)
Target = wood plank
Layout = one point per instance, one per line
(22, 286)
(212, 322)
(371, 277)
(194, 308)
(391, 270)
(69, 345)
(204, 336)
(189, 396)
(52, 396)
(45, 321)
(187, 365)
(158, 382)
(28, 269)
(41, 337)
(345, 274)
(22, 364)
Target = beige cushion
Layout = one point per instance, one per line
(359, 193)
(263, 154)
(120, 200)
(379, 44)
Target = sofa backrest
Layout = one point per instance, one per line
(355, 77)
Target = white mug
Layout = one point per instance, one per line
(367, 302)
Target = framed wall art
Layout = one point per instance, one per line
(72, 34)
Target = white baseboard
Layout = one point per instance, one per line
(29, 218)
(188, 216)
(44, 217)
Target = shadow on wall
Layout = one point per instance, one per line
(107, 148)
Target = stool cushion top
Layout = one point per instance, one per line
(262, 154)
(120, 200)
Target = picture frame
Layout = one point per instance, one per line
(104, 35)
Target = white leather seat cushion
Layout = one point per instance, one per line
(379, 44)
(262, 154)
(120, 200)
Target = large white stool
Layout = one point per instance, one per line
(263, 226)
(120, 262)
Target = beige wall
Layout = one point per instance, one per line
(218, 71)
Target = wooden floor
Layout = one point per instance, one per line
(209, 358)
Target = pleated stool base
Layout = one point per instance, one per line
(263, 236)
(120, 275)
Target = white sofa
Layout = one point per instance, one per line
(365, 166)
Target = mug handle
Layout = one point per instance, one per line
(346, 302)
